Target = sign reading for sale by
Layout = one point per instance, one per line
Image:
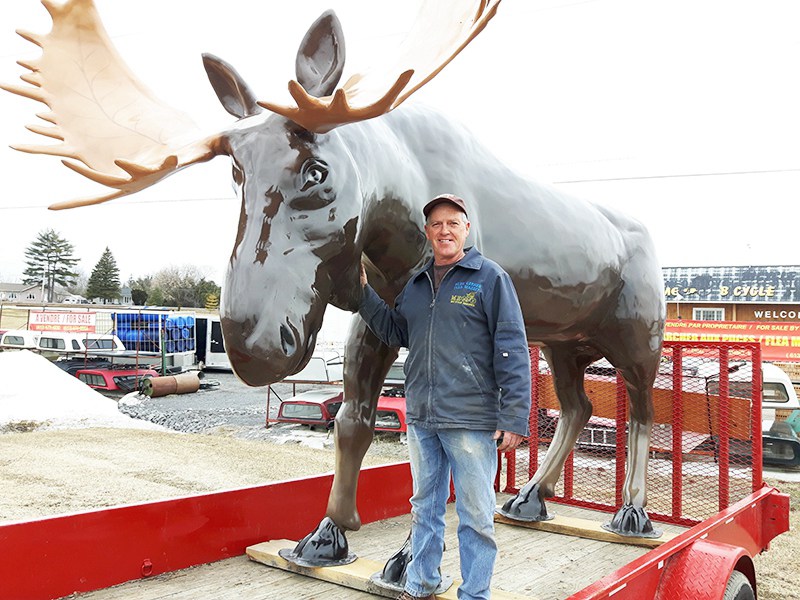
(76, 322)
(780, 342)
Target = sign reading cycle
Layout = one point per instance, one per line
(77, 322)
(772, 284)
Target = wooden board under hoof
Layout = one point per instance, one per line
(356, 575)
(585, 528)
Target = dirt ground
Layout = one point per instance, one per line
(52, 472)
(778, 569)
(46, 473)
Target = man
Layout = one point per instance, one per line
(468, 393)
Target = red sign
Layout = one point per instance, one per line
(780, 342)
(74, 322)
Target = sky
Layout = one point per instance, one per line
(684, 114)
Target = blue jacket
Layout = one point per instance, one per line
(468, 363)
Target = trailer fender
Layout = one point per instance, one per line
(702, 570)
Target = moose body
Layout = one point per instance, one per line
(324, 187)
(586, 276)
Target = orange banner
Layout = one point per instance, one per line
(780, 342)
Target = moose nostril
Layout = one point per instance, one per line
(288, 341)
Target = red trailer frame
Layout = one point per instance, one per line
(53, 557)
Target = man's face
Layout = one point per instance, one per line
(447, 230)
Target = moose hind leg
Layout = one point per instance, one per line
(568, 366)
(631, 519)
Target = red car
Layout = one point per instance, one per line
(117, 381)
(316, 407)
(319, 407)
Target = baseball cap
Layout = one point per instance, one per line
(451, 198)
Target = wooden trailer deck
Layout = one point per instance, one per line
(531, 563)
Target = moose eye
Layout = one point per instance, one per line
(314, 172)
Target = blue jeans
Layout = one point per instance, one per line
(472, 457)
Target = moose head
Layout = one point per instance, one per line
(299, 241)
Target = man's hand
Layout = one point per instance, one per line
(363, 276)
(507, 440)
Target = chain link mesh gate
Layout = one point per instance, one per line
(705, 449)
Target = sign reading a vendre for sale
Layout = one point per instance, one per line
(76, 322)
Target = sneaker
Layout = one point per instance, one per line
(406, 596)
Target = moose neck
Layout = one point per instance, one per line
(403, 159)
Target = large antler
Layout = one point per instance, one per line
(121, 134)
(441, 30)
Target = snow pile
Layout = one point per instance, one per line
(34, 390)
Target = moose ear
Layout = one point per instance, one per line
(320, 58)
(234, 94)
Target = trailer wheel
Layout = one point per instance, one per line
(739, 588)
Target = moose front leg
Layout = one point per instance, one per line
(367, 361)
(366, 364)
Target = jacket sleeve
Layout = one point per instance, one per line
(512, 362)
(389, 325)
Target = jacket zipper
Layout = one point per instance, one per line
(430, 336)
(430, 346)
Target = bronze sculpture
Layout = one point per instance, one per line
(324, 185)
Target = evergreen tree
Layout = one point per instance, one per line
(139, 296)
(140, 289)
(49, 261)
(104, 280)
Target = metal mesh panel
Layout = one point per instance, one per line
(706, 433)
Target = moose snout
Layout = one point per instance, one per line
(263, 357)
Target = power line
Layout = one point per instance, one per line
(561, 182)
(676, 176)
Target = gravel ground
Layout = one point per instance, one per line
(229, 407)
(225, 402)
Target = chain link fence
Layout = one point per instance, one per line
(705, 448)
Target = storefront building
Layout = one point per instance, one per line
(749, 293)
(751, 303)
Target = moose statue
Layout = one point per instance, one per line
(339, 179)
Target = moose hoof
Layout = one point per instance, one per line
(326, 546)
(632, 521)
(526, 506)
(394, 571)
(393, 576)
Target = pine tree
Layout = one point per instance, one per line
(49, 261)
(104, 280)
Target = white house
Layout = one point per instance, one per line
(21, 293)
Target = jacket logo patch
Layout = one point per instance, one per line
(467, 299)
